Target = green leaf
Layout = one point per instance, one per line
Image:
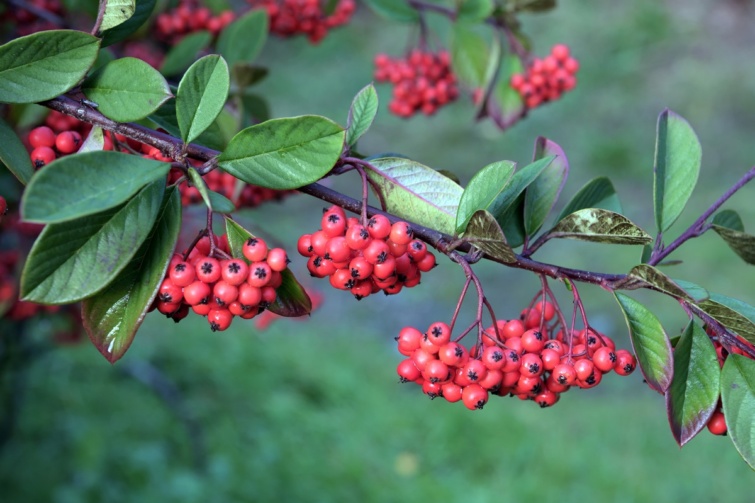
(255, 109)
(508, 201)
(245, 75)
(113, 316)
(95, 141)
(292, 300)
(597, 193)
(734, 314)
(650, 343)
(600, 226)
(677, 165)
(73, 260)
(693, 290)
(201, 95)
(741, 243)
(41, 66)
(474, 10)
(649, 275)
(729, 219)
(543, 193)
(693, 395)
(394, 10)
(117, 12)
(13, 154)
(284, 153)
(243, 39)
(183, 54)
(127, 89)
(142, 12)
(469, 56)
(484, 233)
(82, 184)
(417, 193)
(214, 201)
(483, 190)
(361, 114)
(506, 106)
(738, 400)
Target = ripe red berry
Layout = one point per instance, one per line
(474, 396)
(717, 423)
(401, 233)
(42, 156)
(41, 136)
(277, 259)
(625, 362)
(408, 340)
(379, 227)
(169, 292)
(249, 295)
(357, 237)
(436, 371)
(493, 357)
(234, 271)
(197, 292)
(333, 223)
(451, 391)
(182, 274)
(453, 354)
(408, 371)
(224, 293)
(439, 333)
(68, 142)
(532, 341)
(565, 374)
(208, 270)
(254, 249)
(219, 319)
(604, 359)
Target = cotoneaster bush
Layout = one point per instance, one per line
(147, 113)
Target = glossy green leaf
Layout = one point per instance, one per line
(483, 232)
(729, 219)
(201, 95)
(292, 300)
(243, 39)
(512, 222)
(597, 193)
(542, 194)
(84, 184)
(483, 190)
(284, 153)
(215, 137)
(738, 400)
(600, 226)
(693, 395)
(677, 165)
(737, 316)
(117, 12)
(473, 10)
(113, 316)
(649, 275)
(511, 197)
(184, 53)
(693, 290)
(506, 107)
(214, 201)
(394, 10)
(361, 114)
(13, 154)
(127, 89)
(417, 193)
(73, 260)
(142, 12)
(45, 64)
(650, 343)
(469, 56)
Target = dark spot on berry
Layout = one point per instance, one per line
(495, 389)
(537, 388)
(480, 404)
(591, 341)
(382, 257)
(180, 267)
(459, 352)
(260, 272)
(434, 379)
(534, 368)
(538, 335)
(513, 356)
(628, 368)
(317, 261)
(350, 284)
(497, 356)
(219, 302)
(354, 273)
(234, 268)
(561, 380)
(326, 256)
(358, 297)
(433, 396)
(333, 218)
(252, 242)
(543, 404)
(214, 326)
(590, 379)
(472, 375)
(437, 332)
(403, 380)
(207, 267)
(612, 357)
(39, 163)
(372, 223)
(364, 234)
(166, 297)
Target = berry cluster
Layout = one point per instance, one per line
(305, 17)
(187, 18)
(27, 22)
(548, 78)
(524, 361)
(365, 259)
(222, 289)
(61, 135)
(423, 82)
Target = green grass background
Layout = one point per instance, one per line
(313, 411)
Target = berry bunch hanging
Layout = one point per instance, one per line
(547, 79)
(516, 357)
(222, 288)
(59, 136)
(365, 259)
(422, 82)
(305, 17)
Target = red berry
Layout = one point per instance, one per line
(68, 142)
(401, 233)
(604, 359)
(379, 227)
(182, 274)
(254, 249)
(42, 136)
(277, 259)
(408, 371)
(208, 270)
(439, 333)
(625, 362)
(234, 272)
(717, 423)
(169, 292)
(42, 156)
(219, 319)
(474, 396)
(224, 293)
(259, 274)
(197, 292)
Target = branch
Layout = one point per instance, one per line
(699, 227)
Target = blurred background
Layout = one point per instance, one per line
(312, 411)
